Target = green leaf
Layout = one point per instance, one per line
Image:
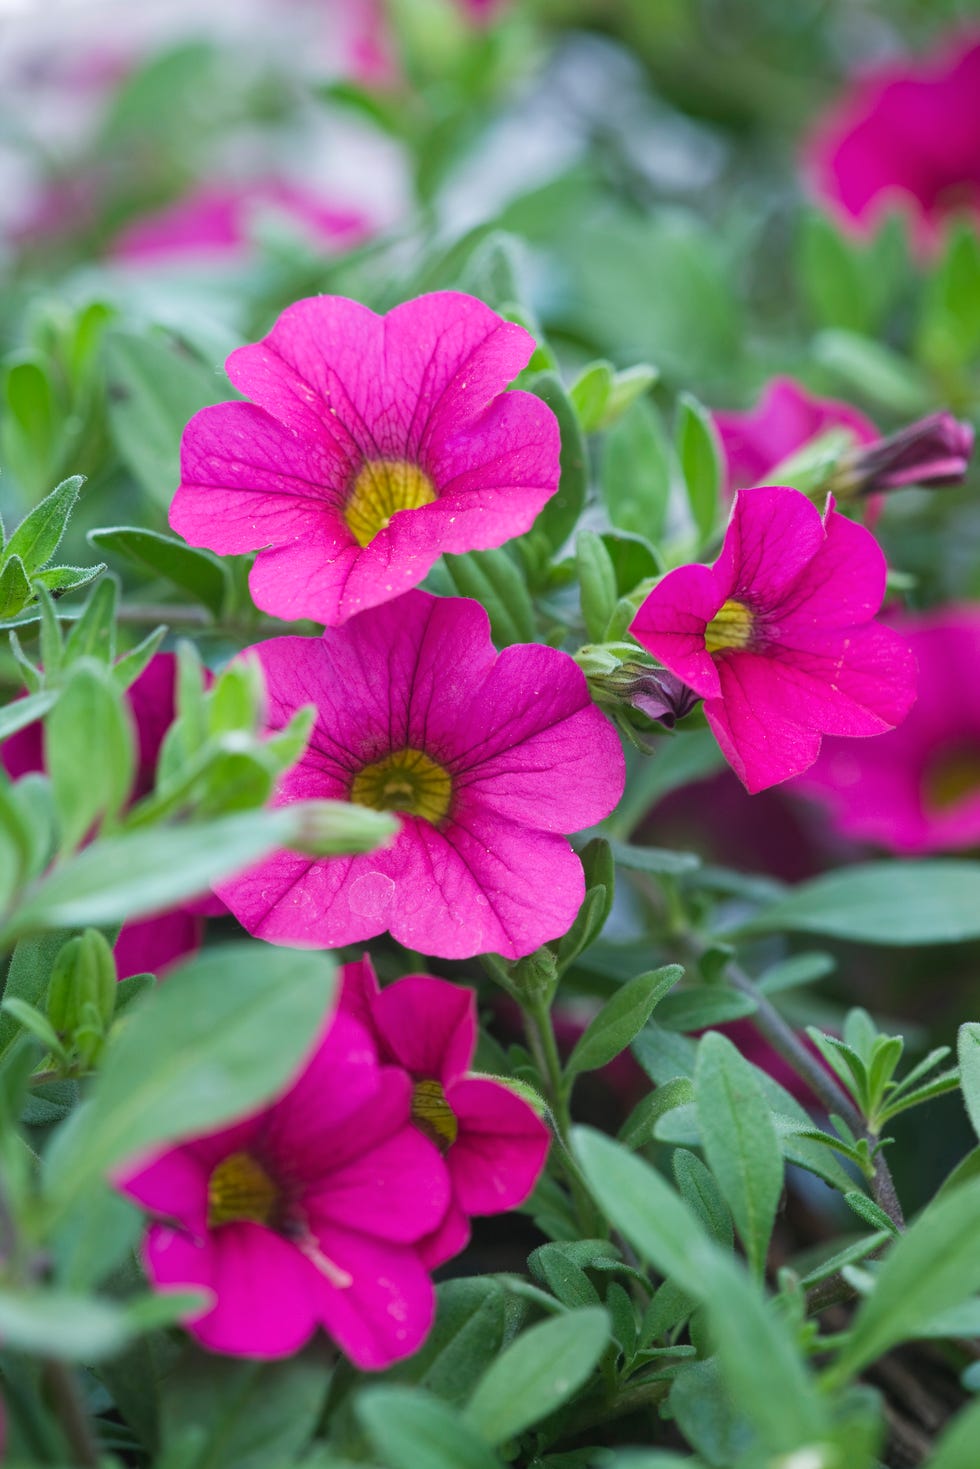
(89, 751)
(38, 536)
(874, 371)
(699, 453)
(75, 1328)
(409, 1429)
(949, 332)
(869, 1212)
(27, 979)
(888, 903)
(566, 1280)
(560, 515)
(621, 1019)
(930, 1269)
(492, 578)
(699, 1187)
(759, 1359)
(152, 392)
(467, 1335)
(740, 1142)
(222, 1036)
(598, 592)
(702, 1006)
(31, 428)
(798, 970)
(589, 394)
(653, 859)
(957, 1448)
(537, 1373)
(627, 386)
(200, 573)
(832, 276)
(15, 588)
(968, 1054)
(124, 877)
(707, 1414)
(247, 1414)
(60, 579)
(94, 634)
(636, 470)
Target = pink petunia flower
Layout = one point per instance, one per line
(778, 635)
(487, 758)
(212, 223)
(494, 1143)
(785, 419)
(306, 1214)
(372, 445)
(905, 135)
(916, 789)
(148, 945)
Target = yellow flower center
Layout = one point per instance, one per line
(240, 1189)
(731, 627)
(407, 781)
(382, 487)
(433, 1115)
(952, 776)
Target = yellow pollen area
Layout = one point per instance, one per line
(433, 1115)
(240, 1189)
(382, 487)
(731, 627)
(406, 781)
(953, 775)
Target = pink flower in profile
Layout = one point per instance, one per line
(306, 1214)
(212, 223)
(905, 135)
(778, 635)
(494, 1143)
(372, 445)
(785, 419)
(487, 758)
(916, 789)
(148, 945)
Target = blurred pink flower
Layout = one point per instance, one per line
(493, 1142)
(916, 789)
(785, 419)
(778, 635)
(306, 1214)
(213, 223)
(373, 444)
(905, 135)
(148, 945)
(488, 758)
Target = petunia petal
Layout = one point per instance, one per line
(427, 1025)
(264, 1288)
(375, 1298)
(500, 1148)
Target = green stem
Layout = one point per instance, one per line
(70, 1412)
(541, 1035)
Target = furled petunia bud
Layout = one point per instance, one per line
(932, 451)
(655, 692)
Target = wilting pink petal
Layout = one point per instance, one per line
(784, 420)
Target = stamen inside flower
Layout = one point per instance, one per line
(953, 775)
(382, 487)
(731, 627)
(433, 1115)
(407, 781)
(240, 1189)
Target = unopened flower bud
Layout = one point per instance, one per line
(82, 990)
(340, 828)
(933, 451)
(536, 976)
(655, 692)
